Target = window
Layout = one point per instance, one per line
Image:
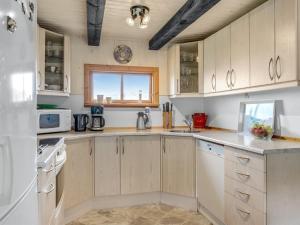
(128, 86)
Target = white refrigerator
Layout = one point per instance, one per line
(18, 140)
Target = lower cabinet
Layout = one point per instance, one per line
(140, 164)
(107, 166)
(127, 165)
(179, 165)
(79, 185)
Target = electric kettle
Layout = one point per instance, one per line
(141, 121)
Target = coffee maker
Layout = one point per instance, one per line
(97, 121)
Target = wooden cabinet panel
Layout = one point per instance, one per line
(286, 40)
(79, 184)
(223, 59)
(107, 166)
(179, 156)
(209, 65)
(262, 44)
(240, 53)
(140, 164)
(174, 69)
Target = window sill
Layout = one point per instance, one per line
(127, 105)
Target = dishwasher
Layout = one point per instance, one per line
(210, 180)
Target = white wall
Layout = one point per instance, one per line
(223, 111)
(82, 54)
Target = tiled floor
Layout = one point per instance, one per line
(154, 214)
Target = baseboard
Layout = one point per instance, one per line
(210, 216)
(188, 203)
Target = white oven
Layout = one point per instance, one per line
(53, 120)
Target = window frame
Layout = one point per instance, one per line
(136, 70)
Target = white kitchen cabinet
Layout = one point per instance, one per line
(140, 164)
(210, 64)
(179, 165)
(54, 72)
(223, 59)
(286, 28)
(107, 166)
(79, 174)
(185, 69)
(240, 53)
(262, 45)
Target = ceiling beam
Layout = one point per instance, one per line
(185, 16)
(95, 13)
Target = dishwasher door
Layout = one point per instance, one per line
(210, 178)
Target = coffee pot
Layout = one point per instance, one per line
(141, 121)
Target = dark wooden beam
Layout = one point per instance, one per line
(185, 16)
(95, 13)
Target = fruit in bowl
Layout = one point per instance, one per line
(261, 130)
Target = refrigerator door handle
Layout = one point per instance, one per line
(6, 171)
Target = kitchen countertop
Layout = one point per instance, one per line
(229, 138)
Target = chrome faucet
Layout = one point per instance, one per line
(189, 122)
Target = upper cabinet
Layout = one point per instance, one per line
(262, 44)
(239, 76)
(209, 64)
(53, 77)
(258, 51)
(185, 69)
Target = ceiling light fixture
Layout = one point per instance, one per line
(139, 16)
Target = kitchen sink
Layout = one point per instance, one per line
(185, 131)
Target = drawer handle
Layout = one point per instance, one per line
(243, 175)
(49, 170)
(243, 196)
(51, 189)
(243, 159)
(244, 214)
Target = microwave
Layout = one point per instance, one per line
(53, 120)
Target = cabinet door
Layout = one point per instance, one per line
(174, 69)
(67, 65)
(209, 65)
(200, 67)
(79, 172)
(286, 40)
(179, 165)
(223, 59)
(262, 44)
(41, 59)
(107, 166)
(140, 164)
(240, 53)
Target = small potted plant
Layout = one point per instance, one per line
(262, 131)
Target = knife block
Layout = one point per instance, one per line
(167, 120)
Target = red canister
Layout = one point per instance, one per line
(199, 120)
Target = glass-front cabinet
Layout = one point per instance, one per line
(185, 69)
(53, 63)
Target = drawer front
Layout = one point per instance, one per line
(246, 175)
(244, 158)
(237, 213)
(246, 194)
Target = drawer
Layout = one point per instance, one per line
(246, 175)
(248, 195)
(238, 213)
(249, 159)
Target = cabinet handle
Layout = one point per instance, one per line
(227, 81)
(164, 144)
(123, 148)
(67, 83)
(232, 81)
(244, 159)
(243, 213)
(117, 145)
(246, 176)
(270, 75)
(51, 189)
(245, 195)
(40, 80)
(278, 62)
(177, 85)
(49, 170)
(213, 82)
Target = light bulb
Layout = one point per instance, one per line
(130, 21)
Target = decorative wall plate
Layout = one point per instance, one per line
(123, 54)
